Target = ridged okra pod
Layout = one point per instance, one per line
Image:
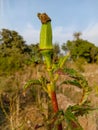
(45, 45)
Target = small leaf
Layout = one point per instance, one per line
(80, 110)
(32, 82)
(72, 82)
(78, 80)
(72, 121)
(86, 92)
(63, 60)
(70, 72)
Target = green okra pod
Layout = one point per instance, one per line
(45, 45)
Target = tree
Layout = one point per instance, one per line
(35, 53)
(56, 51)
(14, 53)
(77, 35)
(12, 40)
(82, 49)
(94, 53)
(64, 47)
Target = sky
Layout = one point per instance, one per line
(68, 17)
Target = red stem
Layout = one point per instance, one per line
(55, 106)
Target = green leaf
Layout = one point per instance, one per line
(74, 74)
(72, 121)
(86, 92)
(80, 110)
(78, 80)
(71, 72)
(61, 62)
(32, 82)
(72, 82)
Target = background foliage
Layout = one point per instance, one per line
(19, 62)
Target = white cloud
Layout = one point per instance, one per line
(30, 34)
(61, 34)
(91, 33)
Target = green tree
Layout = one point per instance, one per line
(35, 53)
(14, 53)
(77, 35)
(82, 49)
(11, 39)
(64, 47)
(56, 51)
(94, 53)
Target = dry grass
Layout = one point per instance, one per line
(30, 115)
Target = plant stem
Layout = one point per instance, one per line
(54, 97)
(46, 48)
(55, 106)
(54, 101)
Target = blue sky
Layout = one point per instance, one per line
(68, 16)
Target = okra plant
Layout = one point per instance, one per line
(49, 85)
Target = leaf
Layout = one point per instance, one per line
(78, 80)
(32, 82)
(80, 110)
(61, 62)
(86, 92)
(72, 82)
(74, 74)
(72, 121)
(71, 72)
